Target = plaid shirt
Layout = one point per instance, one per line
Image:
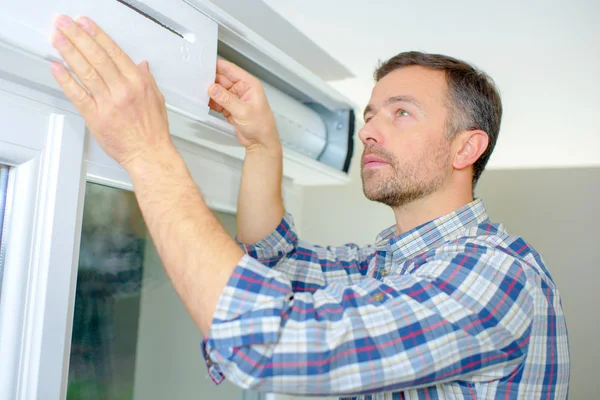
(453, 309)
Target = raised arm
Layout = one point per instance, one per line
(262, 230)
(125, 112)
(240, 97)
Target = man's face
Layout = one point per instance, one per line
(406, 155)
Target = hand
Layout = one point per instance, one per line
(121, 103)
(241, 99)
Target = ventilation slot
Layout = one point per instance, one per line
(159, 19)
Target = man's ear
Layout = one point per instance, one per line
(470, 146)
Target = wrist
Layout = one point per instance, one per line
(262, 170)
(271, 149)
(153, 159)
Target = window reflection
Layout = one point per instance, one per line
(107, 302)
(3, 200)
(132, 337)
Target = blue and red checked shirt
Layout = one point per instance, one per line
(453, 309)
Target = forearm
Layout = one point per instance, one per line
(260, 204)
(197, 253)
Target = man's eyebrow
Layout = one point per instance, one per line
(395, 99)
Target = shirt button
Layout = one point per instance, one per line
(378, 297)
(385, 272)
(209, 361)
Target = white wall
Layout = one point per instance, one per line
(538, 52)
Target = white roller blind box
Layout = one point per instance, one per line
(179, 42)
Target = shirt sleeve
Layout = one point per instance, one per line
(464, 316)
(309, 267)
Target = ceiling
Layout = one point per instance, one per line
(543, 55)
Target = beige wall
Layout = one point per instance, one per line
(558, 211)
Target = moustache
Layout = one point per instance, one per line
(380, 153)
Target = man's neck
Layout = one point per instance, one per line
(428, 208)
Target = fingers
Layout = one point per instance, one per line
(223, 81)
(238, 88)
(95, 54)
(74, 92)
(86, 73)
(215, 106)
(232, 72)
(219, 109)
(122, 61)
(227, 100)
(85, 56)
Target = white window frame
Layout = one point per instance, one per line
(52, 162)
(43, 142)
(4, 214)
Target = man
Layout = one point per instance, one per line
(444, 305)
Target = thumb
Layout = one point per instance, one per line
(226, 99)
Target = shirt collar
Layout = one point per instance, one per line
(423, 237)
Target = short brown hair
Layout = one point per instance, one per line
(473, 101)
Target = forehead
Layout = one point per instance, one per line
(426, 85)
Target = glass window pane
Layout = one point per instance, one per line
(3, 208)
(132, 337)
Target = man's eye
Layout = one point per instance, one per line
(402, 113)
(367, 120)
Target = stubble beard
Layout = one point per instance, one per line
(396, 185)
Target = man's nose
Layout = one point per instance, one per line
(370, 133)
